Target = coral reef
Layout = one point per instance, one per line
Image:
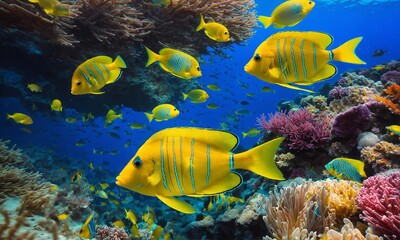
(348, 232)
(391, 98)
(109, 233)
(382, 156)
(379, 201)
(302, 129)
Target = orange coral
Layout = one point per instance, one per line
(391, 99)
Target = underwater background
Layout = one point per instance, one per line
(59, 170)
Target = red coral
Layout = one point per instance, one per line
(302, 129)
(392, 98)
(379, 201)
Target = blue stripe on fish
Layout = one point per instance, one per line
(177, 62)
(191, 165)
(208, 164)
(106, 69)
(99, 72)
(303, 61)
(170, 175)
(178, 182)
(296, 75)
(278, 50)
(296, 8)
(330, 55)
(285, 60)
(231, 162)
(181, 158)
(314, 56)
(162, 165)
(86, 78)
(92, 228)
(91, 73)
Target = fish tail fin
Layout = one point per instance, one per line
(8, 116)
(244, 134)
(149, 116)
(266, 21)
(120, 62)
(261, 160)
(346, 52)
(153, 57)
(184, 96)
(202, 24)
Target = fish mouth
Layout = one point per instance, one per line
(120, 181)
(246, 68)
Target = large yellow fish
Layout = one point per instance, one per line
(162, 112)
(56, 105)
(52, 7)
(300, 58)
(20, 118)
(288, 13)
(95, 73)
(177, 63)
(214, 30)
(194, 162)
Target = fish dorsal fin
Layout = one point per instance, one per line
(359, 165)
(217, 138)
(101, 59)
(167, 51)
(323, 40)
(177, 204)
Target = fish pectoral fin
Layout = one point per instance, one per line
(232, 180)
(177, 204)
(154, 179)
(291, 25)
(275, 72)
(294, 87)
(325, 73)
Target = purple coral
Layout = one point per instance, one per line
(379, 202)
(391, 76)
(338, 92)
(108, 233)
(302, 129)
(352, 122)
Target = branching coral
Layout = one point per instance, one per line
(391, 98)
(302, 129)
(9, 231)
(36, 202)
(348, 232)
(292, 213)
(379, 202)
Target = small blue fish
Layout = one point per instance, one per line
(346, 168)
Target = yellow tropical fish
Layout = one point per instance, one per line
(56, 105)
(212, 106)
(378, 67)
(346, 168)
(196, 96)
(213, 87)
(101, 194)
(131, 216)
(95, 73)
(88, 230)
(161, 2)
(80, 143)
(20, 118)
(136, 126)
(251, 133)
(52, 7)
(76, 177)
(162, 112)
(34, 87)
(177, 63)
(92, 188)
(394, 129)
(87, 116)
(288, 13)
(62, 217)
(103, 185)
(213, 30)
(194, 162)
(119, 223)
(299, 58)
(70, 120)
(111, 116)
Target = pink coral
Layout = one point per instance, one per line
(302, 129)
(379, 201)
(108, 233)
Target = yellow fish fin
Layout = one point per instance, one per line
(100, 59)
(278, 26)
(96, 92)
(202, 24)
(119, 62)
(114, 75)
(275, 72)
(261, 160)
(177, 204)
(294, 24)
(150, 116)
(326, 72)
(153, 57)
(294, 87)
(323, 40)
(266, 21)
(359, 165)
(346, 52)
(34, 1)
(155, 178)
(231, 181)
(216, 138)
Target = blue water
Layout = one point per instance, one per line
(376, 21)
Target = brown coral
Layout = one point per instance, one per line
(9, 231)
(381, 156)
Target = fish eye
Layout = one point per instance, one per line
(226, 33)
(78, 83)
(198, 68)
(137, 162)
(257, 57)
(309, 2)
(175, 109)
